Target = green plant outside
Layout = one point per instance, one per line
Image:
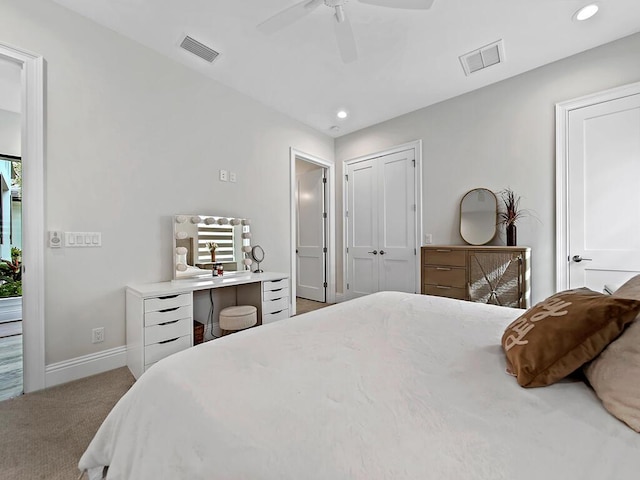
(11, 275)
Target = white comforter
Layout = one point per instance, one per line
(391, 386)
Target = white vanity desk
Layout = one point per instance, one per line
(160, 316)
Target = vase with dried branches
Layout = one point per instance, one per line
(511, 214)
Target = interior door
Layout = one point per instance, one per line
(310, 254)
(381, 224)
(603, 193)
(397, 222)
(362, 228)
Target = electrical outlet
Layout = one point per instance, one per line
(428, 239)
(233, 177)
(224, 175)
(97, 335)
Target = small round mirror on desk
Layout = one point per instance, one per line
(478, 216)
(257, 253)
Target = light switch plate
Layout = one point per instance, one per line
(82, 239)
(428, 239)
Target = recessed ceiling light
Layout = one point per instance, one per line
(342, 114)
(586, 12)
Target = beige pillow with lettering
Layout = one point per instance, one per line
(615, 373)
(559, 335)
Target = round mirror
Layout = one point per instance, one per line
(478, 216)
(257, 253)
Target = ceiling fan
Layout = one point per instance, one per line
(342, 26)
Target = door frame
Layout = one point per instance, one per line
(331, 222)
(416, 146)
(563, 109)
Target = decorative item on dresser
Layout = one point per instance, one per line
(488, 274)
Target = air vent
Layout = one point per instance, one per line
(199, 49)
(482, 58)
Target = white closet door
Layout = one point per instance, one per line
(604, 198)
(310, 268)
(362, 233)
(381, 225)
(397, 222)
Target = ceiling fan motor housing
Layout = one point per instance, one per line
(335, 3)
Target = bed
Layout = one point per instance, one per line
(389, 386)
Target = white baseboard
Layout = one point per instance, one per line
(340, 297)
(80, 367)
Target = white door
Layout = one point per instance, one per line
(381, 221)
(310, 235)
(603, 193)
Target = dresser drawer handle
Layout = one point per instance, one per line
(277, 290)
(168, 297)
(168, 310)
(443, 287)
(443, 269)
(169, 341)
(168, 323)
(443, 250)
(273, 313)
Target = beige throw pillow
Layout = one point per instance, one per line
(615, 373)
(559, 335)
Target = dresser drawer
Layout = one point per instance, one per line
(168, 315)
(271, 306)
(158, 351)
(275, 284)
(446, 276)
(163, 303)
(275, 294)
(442, 291)
(167, 331)
(445, 256)
(275, 316)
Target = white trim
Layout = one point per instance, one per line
(80, 367)
(331, 223)
(563, 110)
(416, 146)
(33, 218)
(340, 297)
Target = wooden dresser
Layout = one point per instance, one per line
(497, 275)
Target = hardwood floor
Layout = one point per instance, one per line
(303, 305)
(10, 367)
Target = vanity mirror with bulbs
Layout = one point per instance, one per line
(162, 318)
(201, 241)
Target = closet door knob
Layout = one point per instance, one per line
(382, 252)
(375, 252)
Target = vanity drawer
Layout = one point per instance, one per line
(275, 316)
(163, 303)
(167, 331)
(443, 291)
(275, 285)
(158, 351)
(167, 315)
(447, 276)
(271, 306)
(446, 256)
(275, 294)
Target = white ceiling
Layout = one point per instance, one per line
(408, 59)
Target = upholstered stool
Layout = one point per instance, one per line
(233, 319)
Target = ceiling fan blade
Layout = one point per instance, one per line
(346, 40)
(289, 15)
(408, 4)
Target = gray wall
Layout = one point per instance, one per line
(499, 136)
(132, 139)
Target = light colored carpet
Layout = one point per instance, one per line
(43, 434)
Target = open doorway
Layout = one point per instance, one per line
(312, 227)
(11, 339)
